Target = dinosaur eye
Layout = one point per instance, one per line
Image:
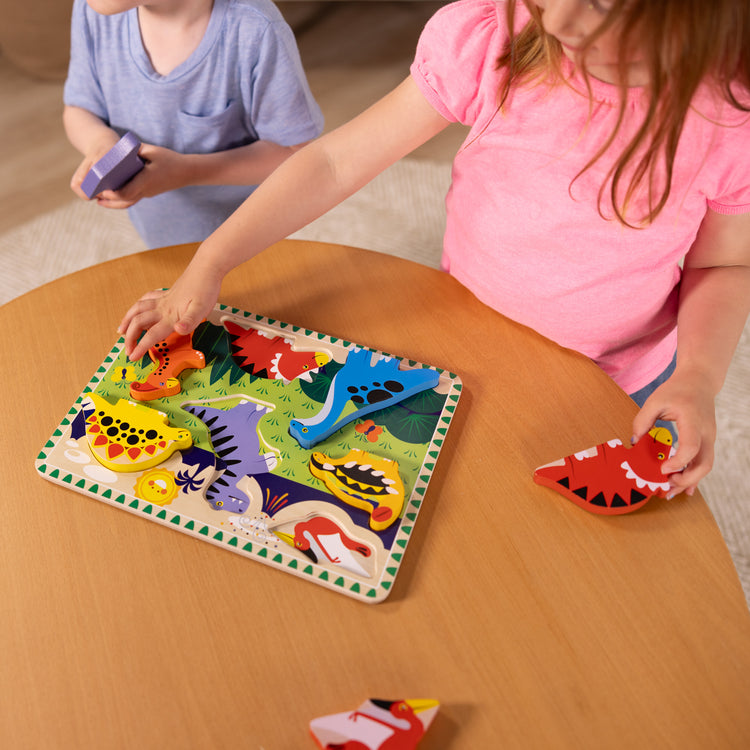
(220, 503)
(660, 456)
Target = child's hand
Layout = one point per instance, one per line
(687, 400)
(179, 309)
(104, 144)
(164, 170)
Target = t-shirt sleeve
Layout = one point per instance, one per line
(723, 135)
(735, 196)
(731, 207)
(731, 158)
(282, 108)
(82, 88)
(455, 66)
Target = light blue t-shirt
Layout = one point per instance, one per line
(243, 83)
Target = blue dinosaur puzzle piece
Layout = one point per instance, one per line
(369, 385)
(115, 168)
(234, 438)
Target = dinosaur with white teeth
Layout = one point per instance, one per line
(364, 481)
(272, 357)
(610, 479)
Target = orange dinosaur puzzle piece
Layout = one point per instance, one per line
(170, 357)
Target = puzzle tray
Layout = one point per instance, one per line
(282, 516)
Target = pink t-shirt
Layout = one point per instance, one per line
(527, 239)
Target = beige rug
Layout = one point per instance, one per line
(402, 213)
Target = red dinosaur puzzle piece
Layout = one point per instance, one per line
(376, 725)
(610, 479)
(272, 356)
(171, 357)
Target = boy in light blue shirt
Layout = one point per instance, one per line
(215, 91)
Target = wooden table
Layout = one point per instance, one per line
(536, 624)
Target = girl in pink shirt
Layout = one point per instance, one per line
(602, 195)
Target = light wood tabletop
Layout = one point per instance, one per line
(534, 623)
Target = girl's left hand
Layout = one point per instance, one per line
(687, 400)
(164, 170)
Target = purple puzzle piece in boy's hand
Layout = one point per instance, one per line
(115, 168)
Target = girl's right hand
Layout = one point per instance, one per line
(686, 399)
(161, 312)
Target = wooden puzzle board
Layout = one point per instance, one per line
(245, 484)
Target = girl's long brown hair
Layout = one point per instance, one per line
(682, 44)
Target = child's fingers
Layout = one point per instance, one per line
(687, 480)
(689, 467)
(132, 330)
(147, 151)
(144, 315)
(153, 335)
(77, 179)
(135, 188)
(645, 419)
(114, 204)
(190, 319)
(688, 447)
(146, 303)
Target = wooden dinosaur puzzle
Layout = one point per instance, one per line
(287, 446)
(376, 725)
(611, 479)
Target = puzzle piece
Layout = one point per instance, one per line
(610, 479)
(235, 439)
(130, 437)
(115, 168)
(322, 540)
(365, 481)
(376, 725)
(170, 357)
(157, 486)
(271, 356)
(365, 385)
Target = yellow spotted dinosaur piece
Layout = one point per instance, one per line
(131, 437)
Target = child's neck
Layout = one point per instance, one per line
(635, 72)
(636, 76)
(171, 30)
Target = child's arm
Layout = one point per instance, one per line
(714, 305)
(169, 170)
(308, 184)
(166, 169)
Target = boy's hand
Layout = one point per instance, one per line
(165, 170)
(160, 312)
(687, 400)
(104, 144)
